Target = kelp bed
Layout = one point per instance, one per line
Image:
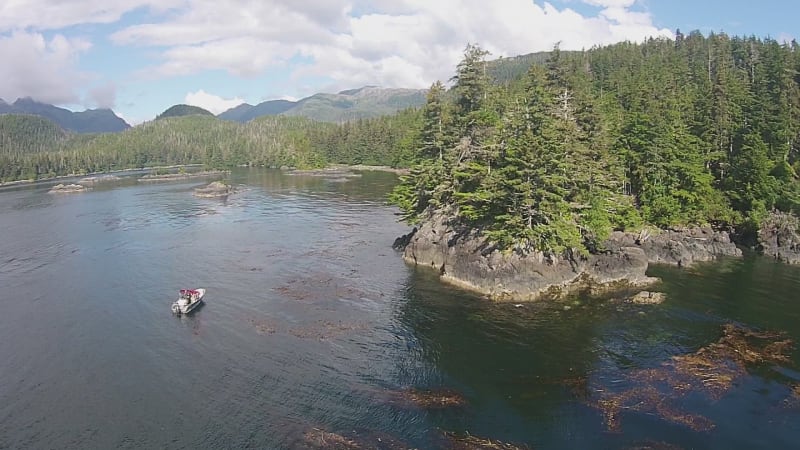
(317, 438)
(711, 370)
(425, 399)
(454, 441)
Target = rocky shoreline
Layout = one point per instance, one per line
(465, 259)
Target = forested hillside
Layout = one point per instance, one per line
(696, 130)
(36, 150)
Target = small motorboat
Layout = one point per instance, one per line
(188, 300)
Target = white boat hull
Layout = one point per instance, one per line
(187, 303)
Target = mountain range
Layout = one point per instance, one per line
(353, 104)
(89, 121)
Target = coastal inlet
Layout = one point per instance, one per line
(316, 334)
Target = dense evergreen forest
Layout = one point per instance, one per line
(697, 130)
(33, 148)
(541, 152)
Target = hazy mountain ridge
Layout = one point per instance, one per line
(246, 112)
(361, 103)
(89, 121)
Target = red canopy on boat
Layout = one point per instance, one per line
(188, 291)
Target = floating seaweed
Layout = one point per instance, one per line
(317, 438)
(653, 445)
(437, 399)
(711, 370)
(263, 327)
(320, 439)
(469, 442)
(324, 329)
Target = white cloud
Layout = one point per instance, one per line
(51, 15)
(42, 69)
(211, 102)
(391, 43)
(785, 38)
(611, 3)
(103, 96)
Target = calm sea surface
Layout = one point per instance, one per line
(313, 324)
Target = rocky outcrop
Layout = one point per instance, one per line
(678, 247)
(214, 190)
(462, 257)
(465, 259)
(779, 237)
(99, 179)
(150, 178)
(67, 189)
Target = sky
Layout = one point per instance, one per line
(139, 57)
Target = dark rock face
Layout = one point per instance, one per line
(779, 237)
(681, 248)
(465, 259)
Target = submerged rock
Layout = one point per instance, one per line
(214, 190)
(648, 298)
(779, 237)
(67, 188)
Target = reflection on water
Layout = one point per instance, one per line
(315, 334)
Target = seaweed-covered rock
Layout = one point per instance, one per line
(214, 190)
(67, 188)
(648, 298)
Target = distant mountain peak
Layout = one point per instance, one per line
(89, 121)
(184, 110)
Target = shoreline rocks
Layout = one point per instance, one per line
(779, 237)
(680, 248)
(465, 259)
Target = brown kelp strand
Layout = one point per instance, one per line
(711, 370)
(467, 441)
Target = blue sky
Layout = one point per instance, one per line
(139, 57)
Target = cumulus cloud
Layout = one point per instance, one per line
(43, 69)
(211, 102)
(50, 15)
(103, 96)
(391, 43)
(394, 43)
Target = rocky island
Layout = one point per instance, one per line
(465, 258)
(216, 189)
(99, 179)
(181, 176)
(68, 188)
